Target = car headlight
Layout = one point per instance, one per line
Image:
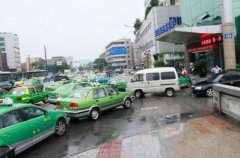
(198, 88)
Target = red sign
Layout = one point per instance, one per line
(202, 48)
(211, 40)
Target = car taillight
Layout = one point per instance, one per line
(19, 98)
(58, 95)
(58, 104)
(74, 105)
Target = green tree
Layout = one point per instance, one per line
(58, 68)
(80, 68)
(137, 25)
(99, 64)
(37, 65)
(159, 64)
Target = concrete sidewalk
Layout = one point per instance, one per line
(206, 137)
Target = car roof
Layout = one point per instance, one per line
(6, 108)
(161, 69)
(95, 87)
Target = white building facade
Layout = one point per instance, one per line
(10, 46)
(119, 54)
(145, 38)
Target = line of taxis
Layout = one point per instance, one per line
(23, 124)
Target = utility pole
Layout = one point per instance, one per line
(45, 57)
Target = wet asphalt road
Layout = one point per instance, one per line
(146, 114)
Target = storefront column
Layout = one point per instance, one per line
(228, 35)
(187, 60)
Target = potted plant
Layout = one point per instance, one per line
(200, 68)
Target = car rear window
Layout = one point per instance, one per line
(80, 94)
(17, 91)
(168, 75)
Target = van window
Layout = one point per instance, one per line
(137, 78)
(168, 75)
(152, 76)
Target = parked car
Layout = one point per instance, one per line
(30, 95)
(24, 125)
(52, 86)
(184, 81)
(154, 80)
(59, 78)
(34, 83)
(64, 91)
(91, 101)
(6, 85)
(205, 87)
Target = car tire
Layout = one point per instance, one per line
(169, 92)
(138, 94)
(94, 114)
(60, 127)
(127, 104)
(30, 102)
(209, 92)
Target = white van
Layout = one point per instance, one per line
(155, 80)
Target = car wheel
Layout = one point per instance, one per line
(127, 104)
(30, 102)
(209, 92)
(60, 127)
(94, 114)
(169, 92)
(138, 94)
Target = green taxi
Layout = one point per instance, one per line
(24, 125)
(64, 91)
(30, 95)
(184, 81)
(91, 101)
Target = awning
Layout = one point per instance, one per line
(187, 35)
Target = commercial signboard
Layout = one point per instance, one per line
(173, 21)
(118, 51)
(228, 36)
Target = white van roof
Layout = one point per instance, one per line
(160, 69)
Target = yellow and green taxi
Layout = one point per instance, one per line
(30, 95)
(64, 91)
(184, 81)
(91, 101)
(24, 125)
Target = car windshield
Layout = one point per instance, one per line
(80, 94)
(17, 91)
(215, 78)
(64, 87)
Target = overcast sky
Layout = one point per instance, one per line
(78, 28)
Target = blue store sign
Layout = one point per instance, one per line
(173, 21)
(228, 36)
(118, 51)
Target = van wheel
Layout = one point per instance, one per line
(94, 114)
(30, 102)
(138, 94)
(169, 92)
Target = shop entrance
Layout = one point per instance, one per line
(207, 56)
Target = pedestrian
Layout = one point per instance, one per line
(184, 72)
(216, 70)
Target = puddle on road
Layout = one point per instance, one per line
(105, 133)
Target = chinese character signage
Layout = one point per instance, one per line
(173, 21)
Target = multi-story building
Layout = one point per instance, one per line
(210, 31)
(147, 3)
(57, 60)
(3, 62)
(9, 44)
(145, 37)
(119, 54)
(69, 60)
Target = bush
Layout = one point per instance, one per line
(200, 68)
(160, 64)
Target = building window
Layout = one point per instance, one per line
(2, 44)
(1, 39)
(2, 49)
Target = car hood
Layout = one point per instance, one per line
(203, 83)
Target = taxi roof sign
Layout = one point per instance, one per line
(6, 101)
